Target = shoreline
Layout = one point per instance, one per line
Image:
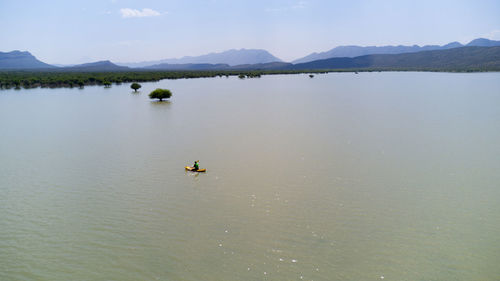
(64, 79)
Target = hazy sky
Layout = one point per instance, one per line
(130, 31)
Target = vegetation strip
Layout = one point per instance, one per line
(59, 79)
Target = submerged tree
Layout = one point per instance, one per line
(135, 86)
(160, 94)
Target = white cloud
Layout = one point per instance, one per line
(300, 5)
(133, 13)
(493, 35)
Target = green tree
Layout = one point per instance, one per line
(106, 84)
(160, 94)
(135, 86)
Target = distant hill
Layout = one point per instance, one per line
(356, 51)
(465, 58)
(96, 66)
(220, 66)
(482, 42)
(188, 66)
(230, 57)
(21, 60)
(262, 66)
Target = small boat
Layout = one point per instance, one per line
(193, 170)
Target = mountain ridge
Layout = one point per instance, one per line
(18, 60)
(21, 59)
(352, 51)
(460, 59)
(188, 66)
(463, 59)
(104, 65)
(231, 57)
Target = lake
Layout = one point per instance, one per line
(372, 176)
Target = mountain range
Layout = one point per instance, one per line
(479, 53)
(460, 59)
(356, 51)
(230, 57)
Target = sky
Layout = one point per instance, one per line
(69, 32)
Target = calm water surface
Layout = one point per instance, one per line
(374, 176)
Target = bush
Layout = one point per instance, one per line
(160, 94)
(135, 86)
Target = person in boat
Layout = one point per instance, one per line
(196, 167)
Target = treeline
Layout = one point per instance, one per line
(54, 79)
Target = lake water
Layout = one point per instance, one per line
(392, 176)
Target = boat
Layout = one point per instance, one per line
(188, 168)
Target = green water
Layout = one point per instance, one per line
(373, 176)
